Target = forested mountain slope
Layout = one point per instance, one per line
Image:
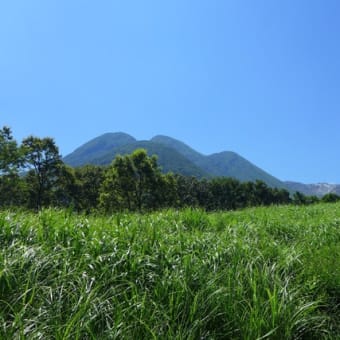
(97, 148)
(222, 164)
(173, 155)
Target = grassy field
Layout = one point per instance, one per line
(264, 273)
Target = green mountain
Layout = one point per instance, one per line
(168, 159)
(98, 147)
(103, 149)
(231, 164)
(173, 155)
(223, 164)
(180, 147)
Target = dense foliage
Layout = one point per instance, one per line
(259, 273)
(33, 175)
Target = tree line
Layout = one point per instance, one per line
(33, 176)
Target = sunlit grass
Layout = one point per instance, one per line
(254, 274)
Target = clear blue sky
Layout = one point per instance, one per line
(261, 78)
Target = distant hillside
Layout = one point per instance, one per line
(97, 148)
(233, 165)
(182, 148)
(319, 189)
(173, 155)
(168, 158)
(223, 164)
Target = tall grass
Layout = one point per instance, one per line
(262, 273)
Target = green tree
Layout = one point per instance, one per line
(330, 198)
(132, 183)
(118, 186)
(249, 194)
(42, 159)
(168, 188)
(11, 185)
(65, 190)
(10, 157)
(263, 193)
(226, 193)
(13, 190)
(299, 198)
(187, 191)
(89, 179)
(281, 196)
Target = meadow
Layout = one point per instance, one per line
(259, 273)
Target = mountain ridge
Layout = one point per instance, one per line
(173, 155)
(97, 146)
(314, 189)
(177, 157)
(222, 164)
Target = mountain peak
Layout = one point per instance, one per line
(116, 134)
(173, 155)
(96, 147)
